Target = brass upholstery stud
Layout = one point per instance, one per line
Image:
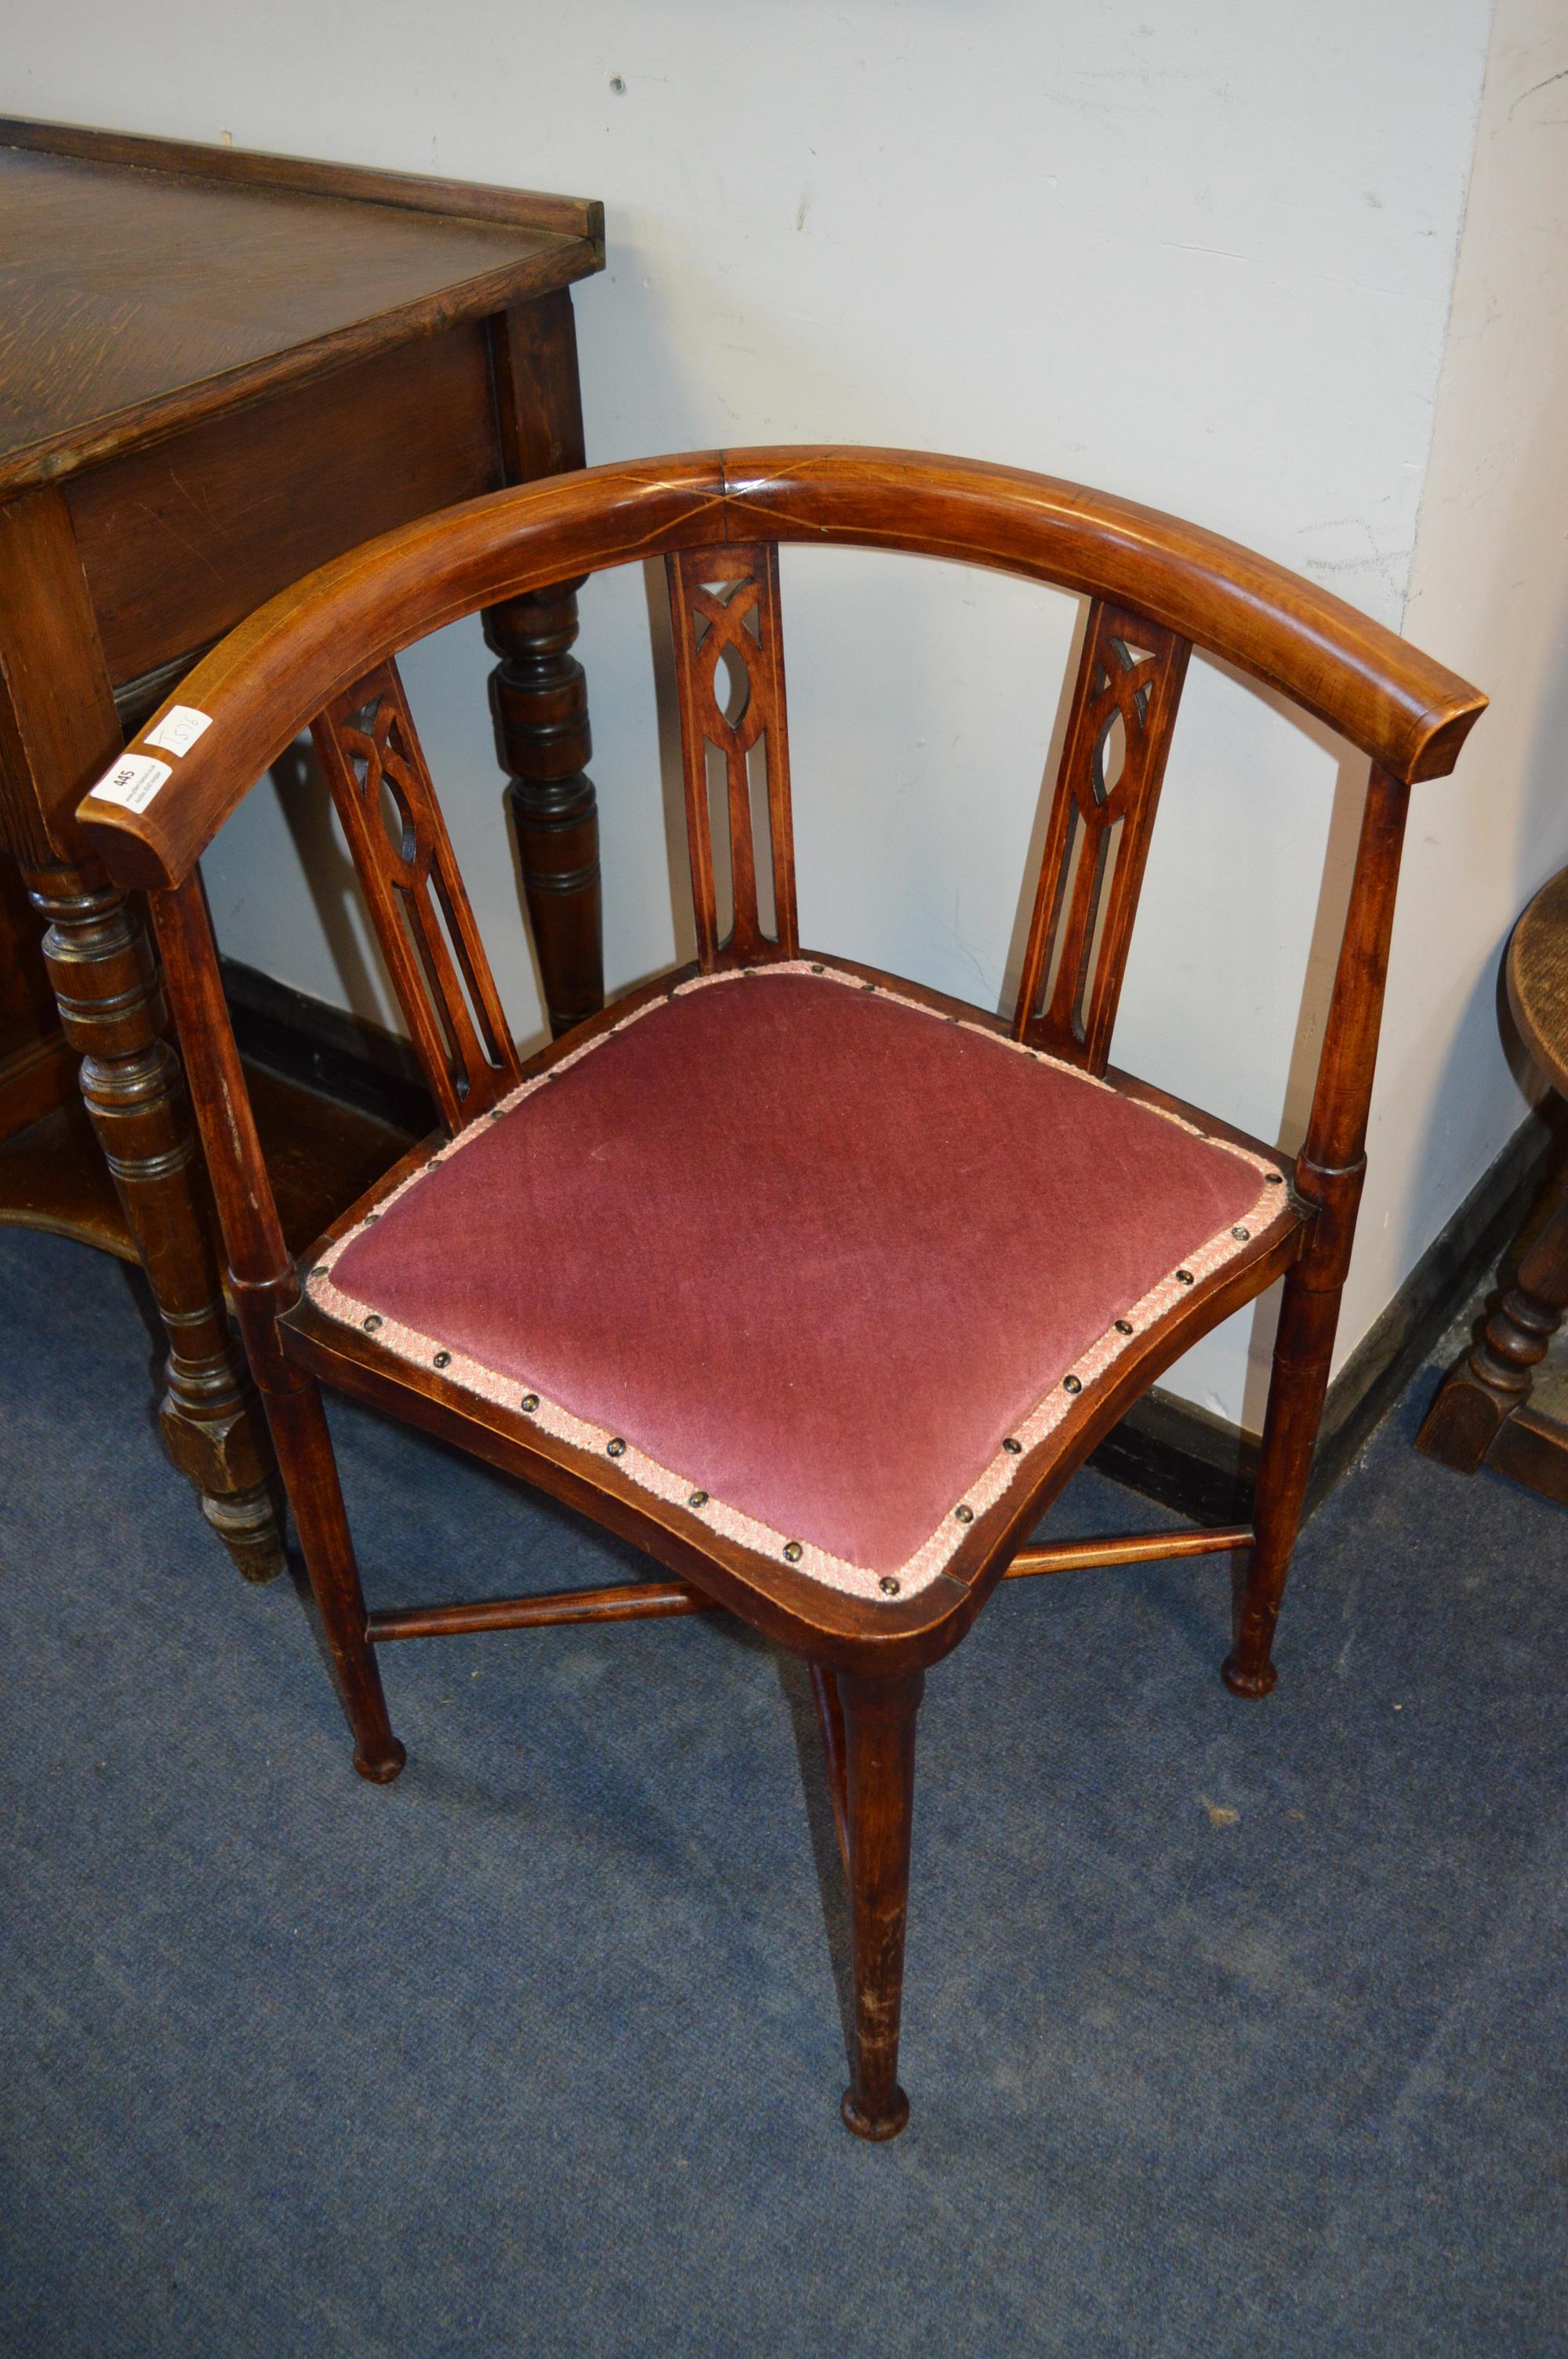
(617, 1449)
(698, 1499)
(1016, 1448)
(1274, 1179)
(1184, 1278)
(868, 986)
(817, 967)
(319, 1270)
(372, 1323)
(530, 1402)
(1241, 1235)
(1072, 1384)
(966, 1515)
(443, 1360)
(792, 1551)
(1124, 1326)
(888, 1585)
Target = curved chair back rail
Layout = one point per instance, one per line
(271, 677)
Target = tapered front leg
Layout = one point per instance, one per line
(830, 1721)
(878, 1765)
(309, 1470)
(1302, 1350)
(263, 1285)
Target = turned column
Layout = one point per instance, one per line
(112, 1011)
(1494, 1379)
(58, 733)
(538, 694)
(1475, 1415)
(539, 698)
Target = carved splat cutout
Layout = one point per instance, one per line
(373, 764)
(1113, 759)
(724, 606)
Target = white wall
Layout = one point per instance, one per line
(1202, 255)
(1489, 593)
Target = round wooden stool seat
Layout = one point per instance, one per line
(1537, 974)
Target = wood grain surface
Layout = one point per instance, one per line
(140, 290)
(1537, 972)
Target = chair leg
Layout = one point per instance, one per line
(1302, 1350)
(879, 1750)
(309, 1470)
(830, 1720)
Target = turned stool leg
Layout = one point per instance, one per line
(879, 1748)
(1476, 1399)
(112, 1010)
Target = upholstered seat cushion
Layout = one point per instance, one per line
(804, 1252)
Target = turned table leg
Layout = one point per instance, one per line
(59, 731)
(537, 692)
(1493, 1381)
(539, 698)
(112, 1011)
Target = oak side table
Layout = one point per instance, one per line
(218, 369)
(1506, 1403)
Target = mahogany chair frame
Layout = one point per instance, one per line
(323, 654)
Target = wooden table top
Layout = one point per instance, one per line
(1538, 980)
(145, 283)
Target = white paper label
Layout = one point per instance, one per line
(133, 782)
(178, 731)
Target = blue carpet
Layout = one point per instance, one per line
(1229, 2028)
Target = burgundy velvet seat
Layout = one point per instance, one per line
(805, 1252)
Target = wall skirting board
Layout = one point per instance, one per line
(1167, 1448)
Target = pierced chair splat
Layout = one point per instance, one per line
(827, 1380)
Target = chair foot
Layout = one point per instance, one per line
(1245, 1680)
(382, 1772)
(884, 2127)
